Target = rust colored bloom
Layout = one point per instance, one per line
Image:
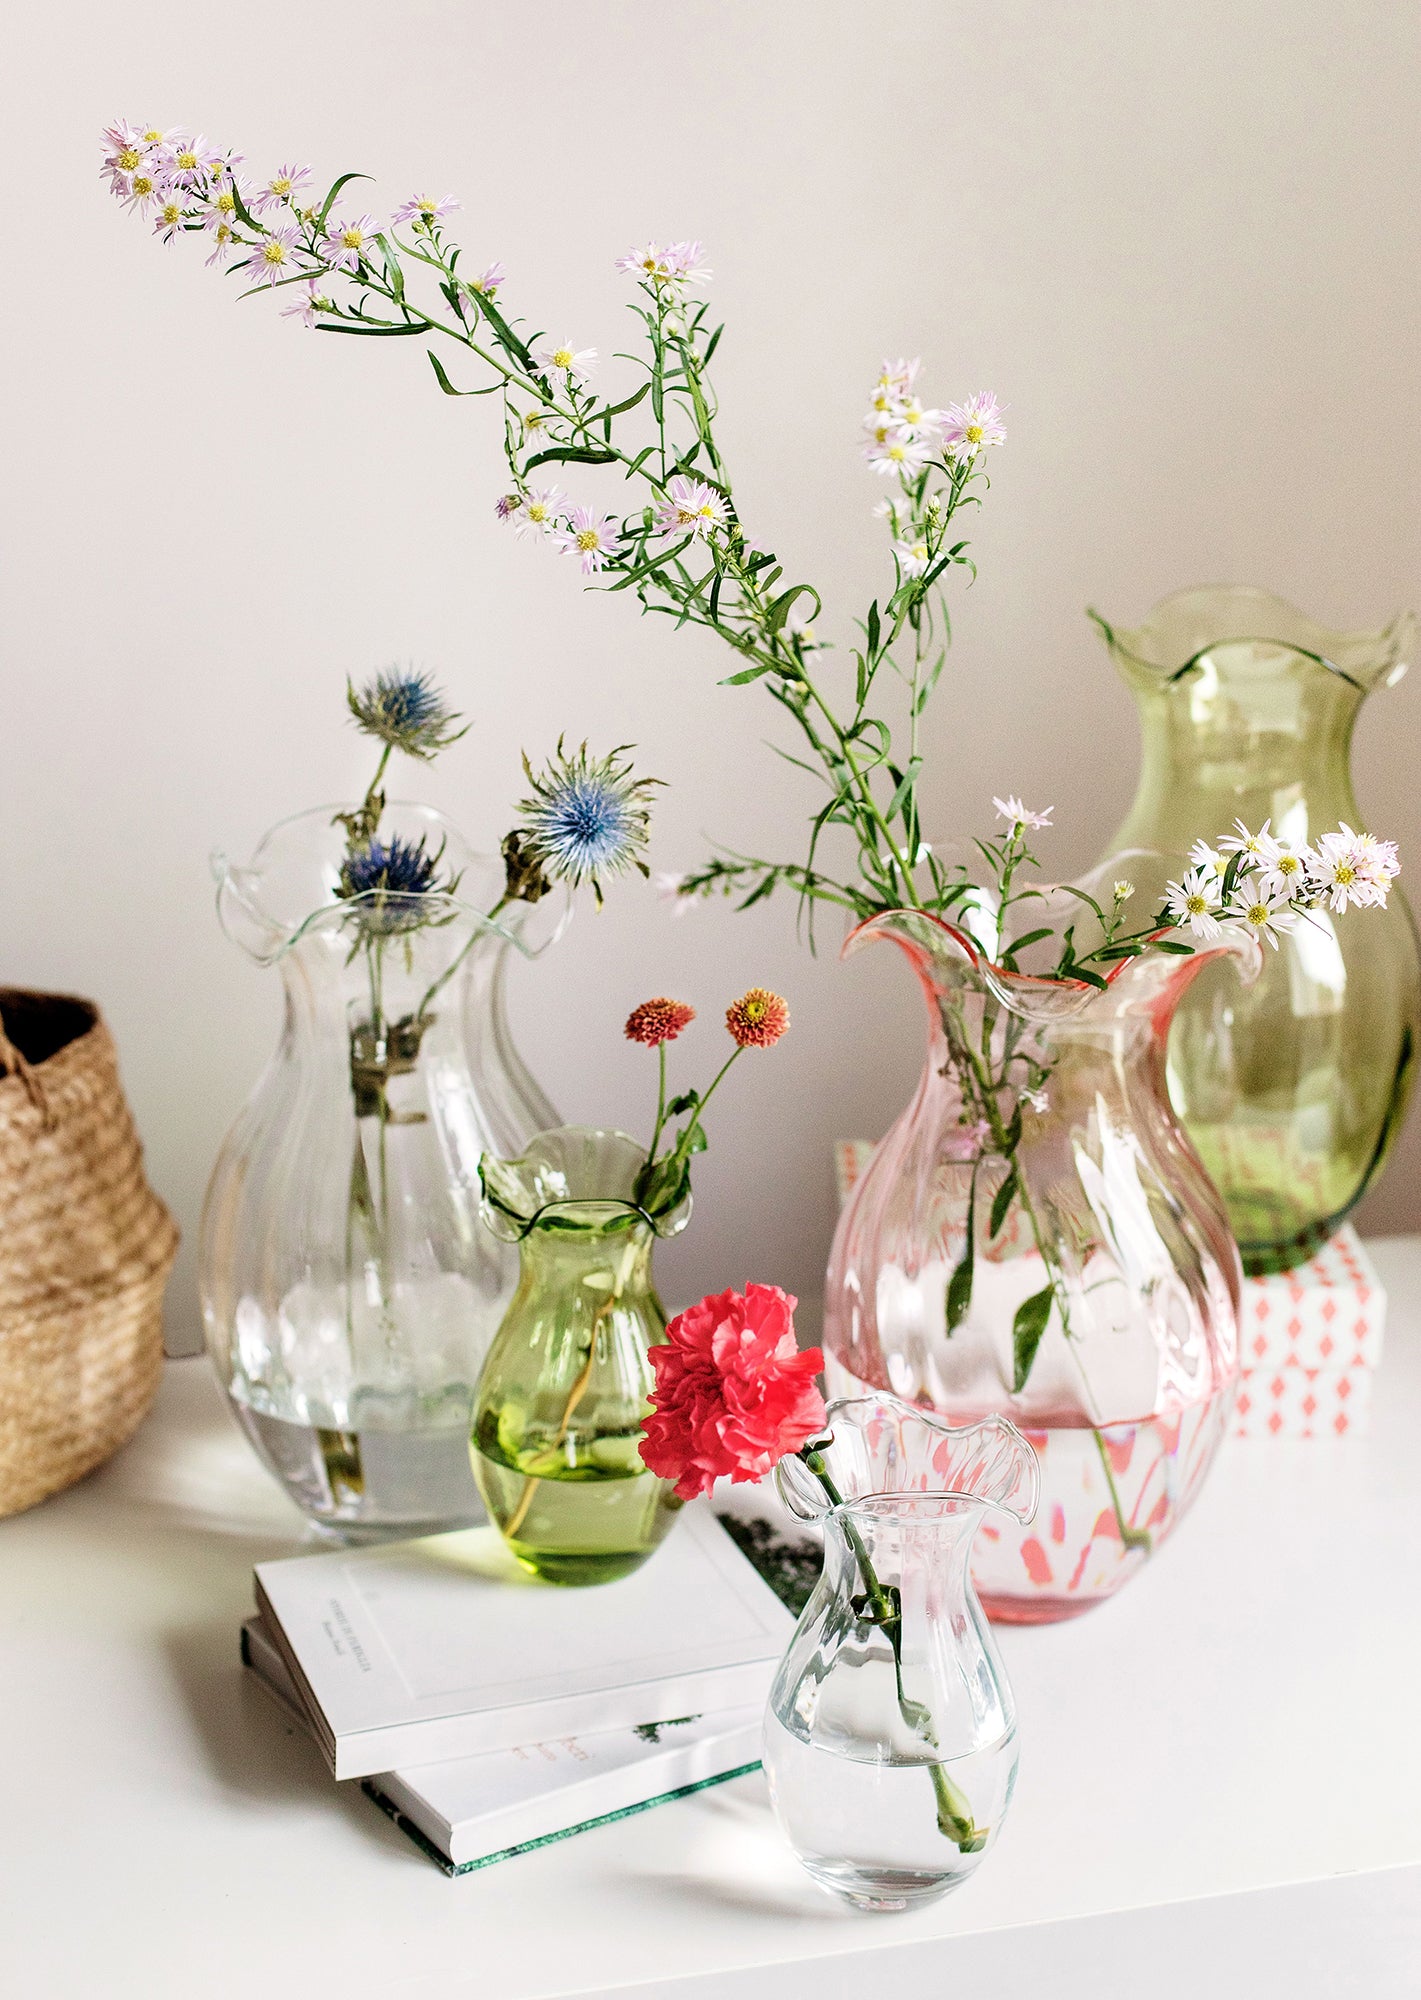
(656, 1021)
(733, 1392)
(757, 1019)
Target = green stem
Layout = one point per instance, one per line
(954, 1812)
(986, 1094)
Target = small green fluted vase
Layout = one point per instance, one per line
(567, 1384)
(1292, 1090)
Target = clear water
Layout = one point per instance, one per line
(377, 1477)
(867, 1830)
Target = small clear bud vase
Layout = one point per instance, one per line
(1036, 1238)
(1294, 1091)
(890, 1737)
(567, 1385)
(349, 1293)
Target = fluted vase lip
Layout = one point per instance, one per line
(1183, 628)
(287, 892)
(881, 1450)
(575, 1178)
(933, 944)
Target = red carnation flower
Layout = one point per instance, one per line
(656, 1021)
(757, 1019)
(734, 1395)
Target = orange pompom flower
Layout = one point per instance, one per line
(657, 1021)
(757, 1019)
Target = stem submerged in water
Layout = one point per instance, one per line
(954, 1812)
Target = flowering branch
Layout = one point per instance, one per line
(680, 544)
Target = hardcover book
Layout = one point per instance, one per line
(473, 1811)
(418, 1652)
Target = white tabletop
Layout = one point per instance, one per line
(1242, 1719)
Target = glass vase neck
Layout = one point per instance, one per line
(953, 970)
(1250, 636)
(576, 1180)
(288, 893)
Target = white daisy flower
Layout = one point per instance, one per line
(1016, 814)
(1265, 915)
(568, 364)
(1193, 903)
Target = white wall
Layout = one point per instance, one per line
(1180, 241)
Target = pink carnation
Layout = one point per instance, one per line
(734, 1395)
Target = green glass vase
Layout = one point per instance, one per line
(1293, 1089)
(559, 1406)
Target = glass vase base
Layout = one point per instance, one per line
(886, 1893)
(578, 1530)
(368, 1484)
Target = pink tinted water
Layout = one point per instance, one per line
(1072, 1555)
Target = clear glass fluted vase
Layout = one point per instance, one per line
(1293, 1091)
(349, 1292)
(890, 1736)
(1111, 1225)
(567, 1385)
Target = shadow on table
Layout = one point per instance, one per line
(254, 1749)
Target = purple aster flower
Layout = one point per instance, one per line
(346, 241)
(596, 540)
(285, 184)
(424, 209)
(969, 428)
(273, 258)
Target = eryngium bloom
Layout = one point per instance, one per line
(394, 877)
(656, 1021)
(406, 710)
(587, 818)
(757, 1019)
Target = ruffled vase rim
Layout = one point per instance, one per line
(1382, 653)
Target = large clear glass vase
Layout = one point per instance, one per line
(349, 1292)
(1294, 1090)
(567, 1384)
(890, 1736)
(1112, 1226)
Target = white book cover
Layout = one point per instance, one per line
(473, 1811)
(417, 1652)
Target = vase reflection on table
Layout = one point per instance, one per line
(349, 1292)
(1127, 1395)
(1292, 1091)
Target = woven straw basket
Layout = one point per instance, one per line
(85, 1251)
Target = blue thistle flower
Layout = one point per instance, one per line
(405, 710)
(587, 817)
(396, 875)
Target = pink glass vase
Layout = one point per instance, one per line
(1111, 1223)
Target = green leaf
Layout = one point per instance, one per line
(1001, 1202)
(873, 628)
(368, 327)
(1168, 944)
(507, 338)
(563, 454)
(780, 607)
(617, 409)
(1032, 937)
(687, 1101)
(1231, 874)
(747, 674)
(712, 344)
(1026, 1331)
(447, 386)
(243, 213)
(330, 199)
(905, 786)
(959, 1290)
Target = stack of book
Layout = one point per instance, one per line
(487, 1714)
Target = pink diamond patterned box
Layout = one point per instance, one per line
(1310, 1340)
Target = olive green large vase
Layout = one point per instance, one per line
(1293, 1089)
